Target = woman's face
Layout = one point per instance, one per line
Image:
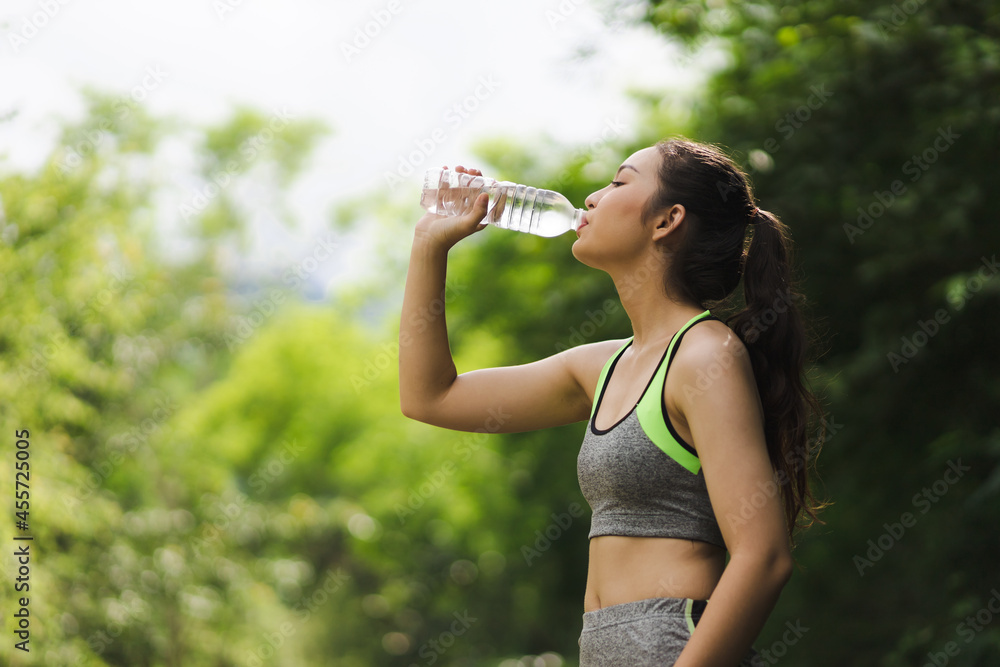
(613, 232)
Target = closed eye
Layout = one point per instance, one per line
(616, 183)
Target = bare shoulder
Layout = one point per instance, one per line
(711, 387)
(587, 361)
(711, 350)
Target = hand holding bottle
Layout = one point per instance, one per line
(455, 209)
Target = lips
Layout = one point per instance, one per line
(582, 225)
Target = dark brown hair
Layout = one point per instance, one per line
(708, 261)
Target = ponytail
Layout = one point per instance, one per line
(705, 269)
(773, 332)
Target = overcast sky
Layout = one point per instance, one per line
(385, 75)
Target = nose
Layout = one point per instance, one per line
(592, 199)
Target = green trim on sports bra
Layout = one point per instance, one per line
(650, 409)
(603, 377)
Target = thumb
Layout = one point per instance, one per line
(478, 211)
(482, 201)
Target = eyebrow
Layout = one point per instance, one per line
(626, 166)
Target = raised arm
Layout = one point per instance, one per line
(553, 391)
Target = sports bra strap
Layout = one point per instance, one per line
(604, 375)
(653, 414)
(658, 376)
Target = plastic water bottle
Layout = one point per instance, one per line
(511, 206)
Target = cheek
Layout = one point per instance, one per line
(623, 207)
(631, 210)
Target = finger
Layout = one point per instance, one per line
(478, 211)
(499, 206)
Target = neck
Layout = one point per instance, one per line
(655, 315)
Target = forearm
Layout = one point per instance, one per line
(426, 367)
(739, 607)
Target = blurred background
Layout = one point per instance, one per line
(206, 209)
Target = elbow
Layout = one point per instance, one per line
(415, 410)
(421, 405)
(772, 567)
(782, 566)
(410, 409)
(776, 565)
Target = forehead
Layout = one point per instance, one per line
(646, 160)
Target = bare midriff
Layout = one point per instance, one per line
(626, 569)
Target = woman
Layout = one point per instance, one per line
(678, 467)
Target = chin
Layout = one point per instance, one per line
(582, 256)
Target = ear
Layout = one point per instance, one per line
(668, 221)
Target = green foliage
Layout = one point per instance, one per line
(216, 482)
(103, 342)
(831, 105)
(250, 136)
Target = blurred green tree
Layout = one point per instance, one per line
(105, 335)
(871, 130)
(222, 472)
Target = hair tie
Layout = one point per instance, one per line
(754, 216)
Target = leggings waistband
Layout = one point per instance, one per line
(628, 611)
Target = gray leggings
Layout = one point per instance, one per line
(645, 632)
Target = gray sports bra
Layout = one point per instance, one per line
(639, 476)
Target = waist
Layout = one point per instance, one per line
(627, 569)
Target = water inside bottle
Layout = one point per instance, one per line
(527, 209)
(511, 206)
